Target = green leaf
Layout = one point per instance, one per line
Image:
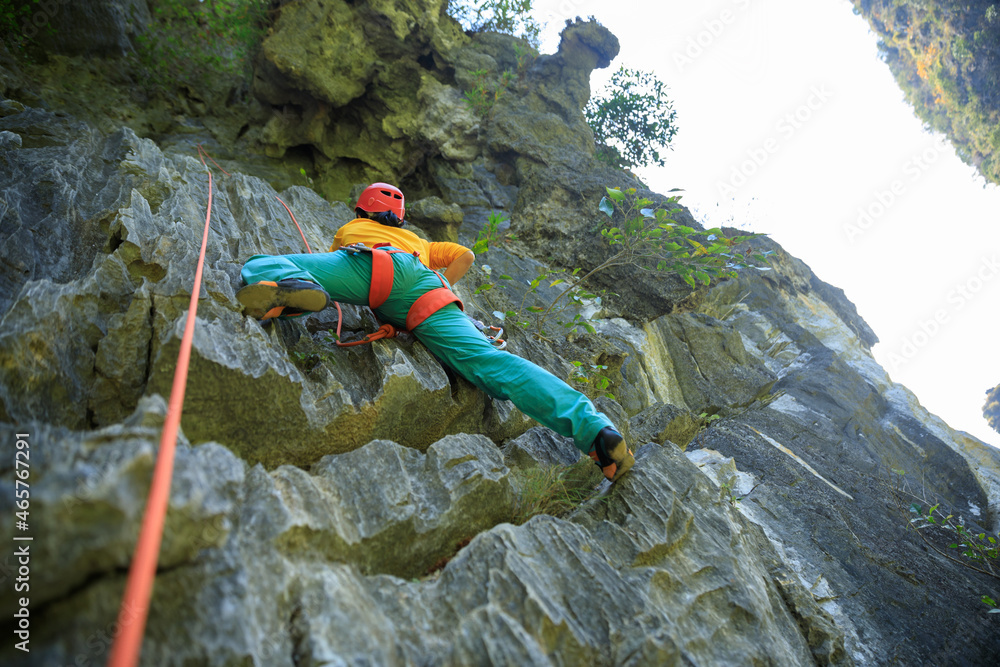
(606, 207)
(700, 249)
(615, 194)
(504, 276)
(648, 213)
(589, 327)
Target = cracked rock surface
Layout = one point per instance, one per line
(335, 506)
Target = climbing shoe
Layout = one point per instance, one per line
(611, 454)
(288, 298)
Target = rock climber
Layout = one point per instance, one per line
(415, 293)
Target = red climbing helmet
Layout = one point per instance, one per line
(379, 197)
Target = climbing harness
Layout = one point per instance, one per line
(381, 287)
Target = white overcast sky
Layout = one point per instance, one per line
(790, 125)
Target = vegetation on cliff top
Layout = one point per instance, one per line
(192, 41)
(511, 17)
(991, 408)
(946, 57)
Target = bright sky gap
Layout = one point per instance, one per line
(803, 134)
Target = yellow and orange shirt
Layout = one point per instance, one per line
(434, 254)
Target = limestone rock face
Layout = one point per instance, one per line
(359, 505)
(545, 125)
(441, 220)
(96, 291)
(362, 84)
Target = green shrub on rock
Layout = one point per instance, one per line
(510, 17)
(646, 237)
(191, 41)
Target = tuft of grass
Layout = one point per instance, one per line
(554, 490)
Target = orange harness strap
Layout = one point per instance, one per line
(428, 304)
(382, 275)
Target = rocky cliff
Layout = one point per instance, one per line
(362, 505)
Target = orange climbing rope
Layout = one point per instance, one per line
(202, 153)
(296, 223)
(139, 587)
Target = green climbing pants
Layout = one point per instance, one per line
(448, 334)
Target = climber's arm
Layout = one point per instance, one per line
(452, 258)
(459, 266)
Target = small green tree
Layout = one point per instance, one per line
(510, 17)
(632, 119)
(489, 234)
(480, 98)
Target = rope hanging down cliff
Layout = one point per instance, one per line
(139, 587)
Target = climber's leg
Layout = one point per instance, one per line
(454, 339)
(346, 279)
